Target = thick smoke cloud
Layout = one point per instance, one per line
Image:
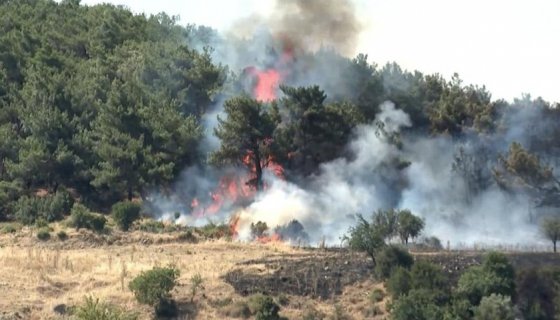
(308, 25)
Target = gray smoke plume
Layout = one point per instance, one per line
(308, 25)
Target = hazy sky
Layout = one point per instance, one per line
(511, 46)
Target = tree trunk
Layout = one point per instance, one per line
(129, 191)
(258, 171)
(554, 245)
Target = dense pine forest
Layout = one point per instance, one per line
(106, 105)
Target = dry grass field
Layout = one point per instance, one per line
(37, 277)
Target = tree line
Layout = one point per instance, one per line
(108, 105)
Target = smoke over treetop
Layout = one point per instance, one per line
(302, 25)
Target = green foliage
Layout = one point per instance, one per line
(49, 208)
(258, 229)
(537, 293)
(81, 217)
(425, 275)
(494, 307)
(43, 234)
(496, 275)
(391, 257)
(125, 213)
(245, 136)
(216, 231)
(10, 228)
(409, 225)
(62, 235)
(196, 284)
(365, 236)
(376, 295)
(152, 226)
(419, 304)
(263, 307)
(551, 229)
(399, 283)
(154, 286)
(93, 309)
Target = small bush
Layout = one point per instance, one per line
(196, 284)
(391, 257)
(62, 235)
(426, 275)
(432, 243)
(238, 309)
(263, 307)
(376, 295)
(81, 217)
(258, 229)
(41, 223)
(417, 304)
(10, 228)
(92, 309)
(153, 287)
(216, 231)
(398, 283)
(43, 234)
(152, 226)
(187, 236)
(50, 208)
(125, 213)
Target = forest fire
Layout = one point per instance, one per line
(236, 190)
(266, 83)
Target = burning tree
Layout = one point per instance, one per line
(245, 136)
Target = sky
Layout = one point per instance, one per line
(511, 46)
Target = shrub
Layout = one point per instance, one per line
(399, 282)
(196, 284)
(125, 213)
(263, 307)
(420, 304)
(27, 209)
(258, 229)
(41, 223)
(536, 291)
(11, 228)
(238, 309)
(187, 236)
(62, 235)
(495, 275)
(426, 275)
(152, 226)
(391, 257)
(92, 309)
(494, 307)
(50, 208)
(376, 295)
(216, 231)
(153, 287)
(433, 243)
(43, 234)
(81, 217)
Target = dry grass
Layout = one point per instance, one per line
(36, 276)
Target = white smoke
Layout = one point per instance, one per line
(326, 206)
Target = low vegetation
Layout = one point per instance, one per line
(154, 287)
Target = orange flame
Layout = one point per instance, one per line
(275, 237)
